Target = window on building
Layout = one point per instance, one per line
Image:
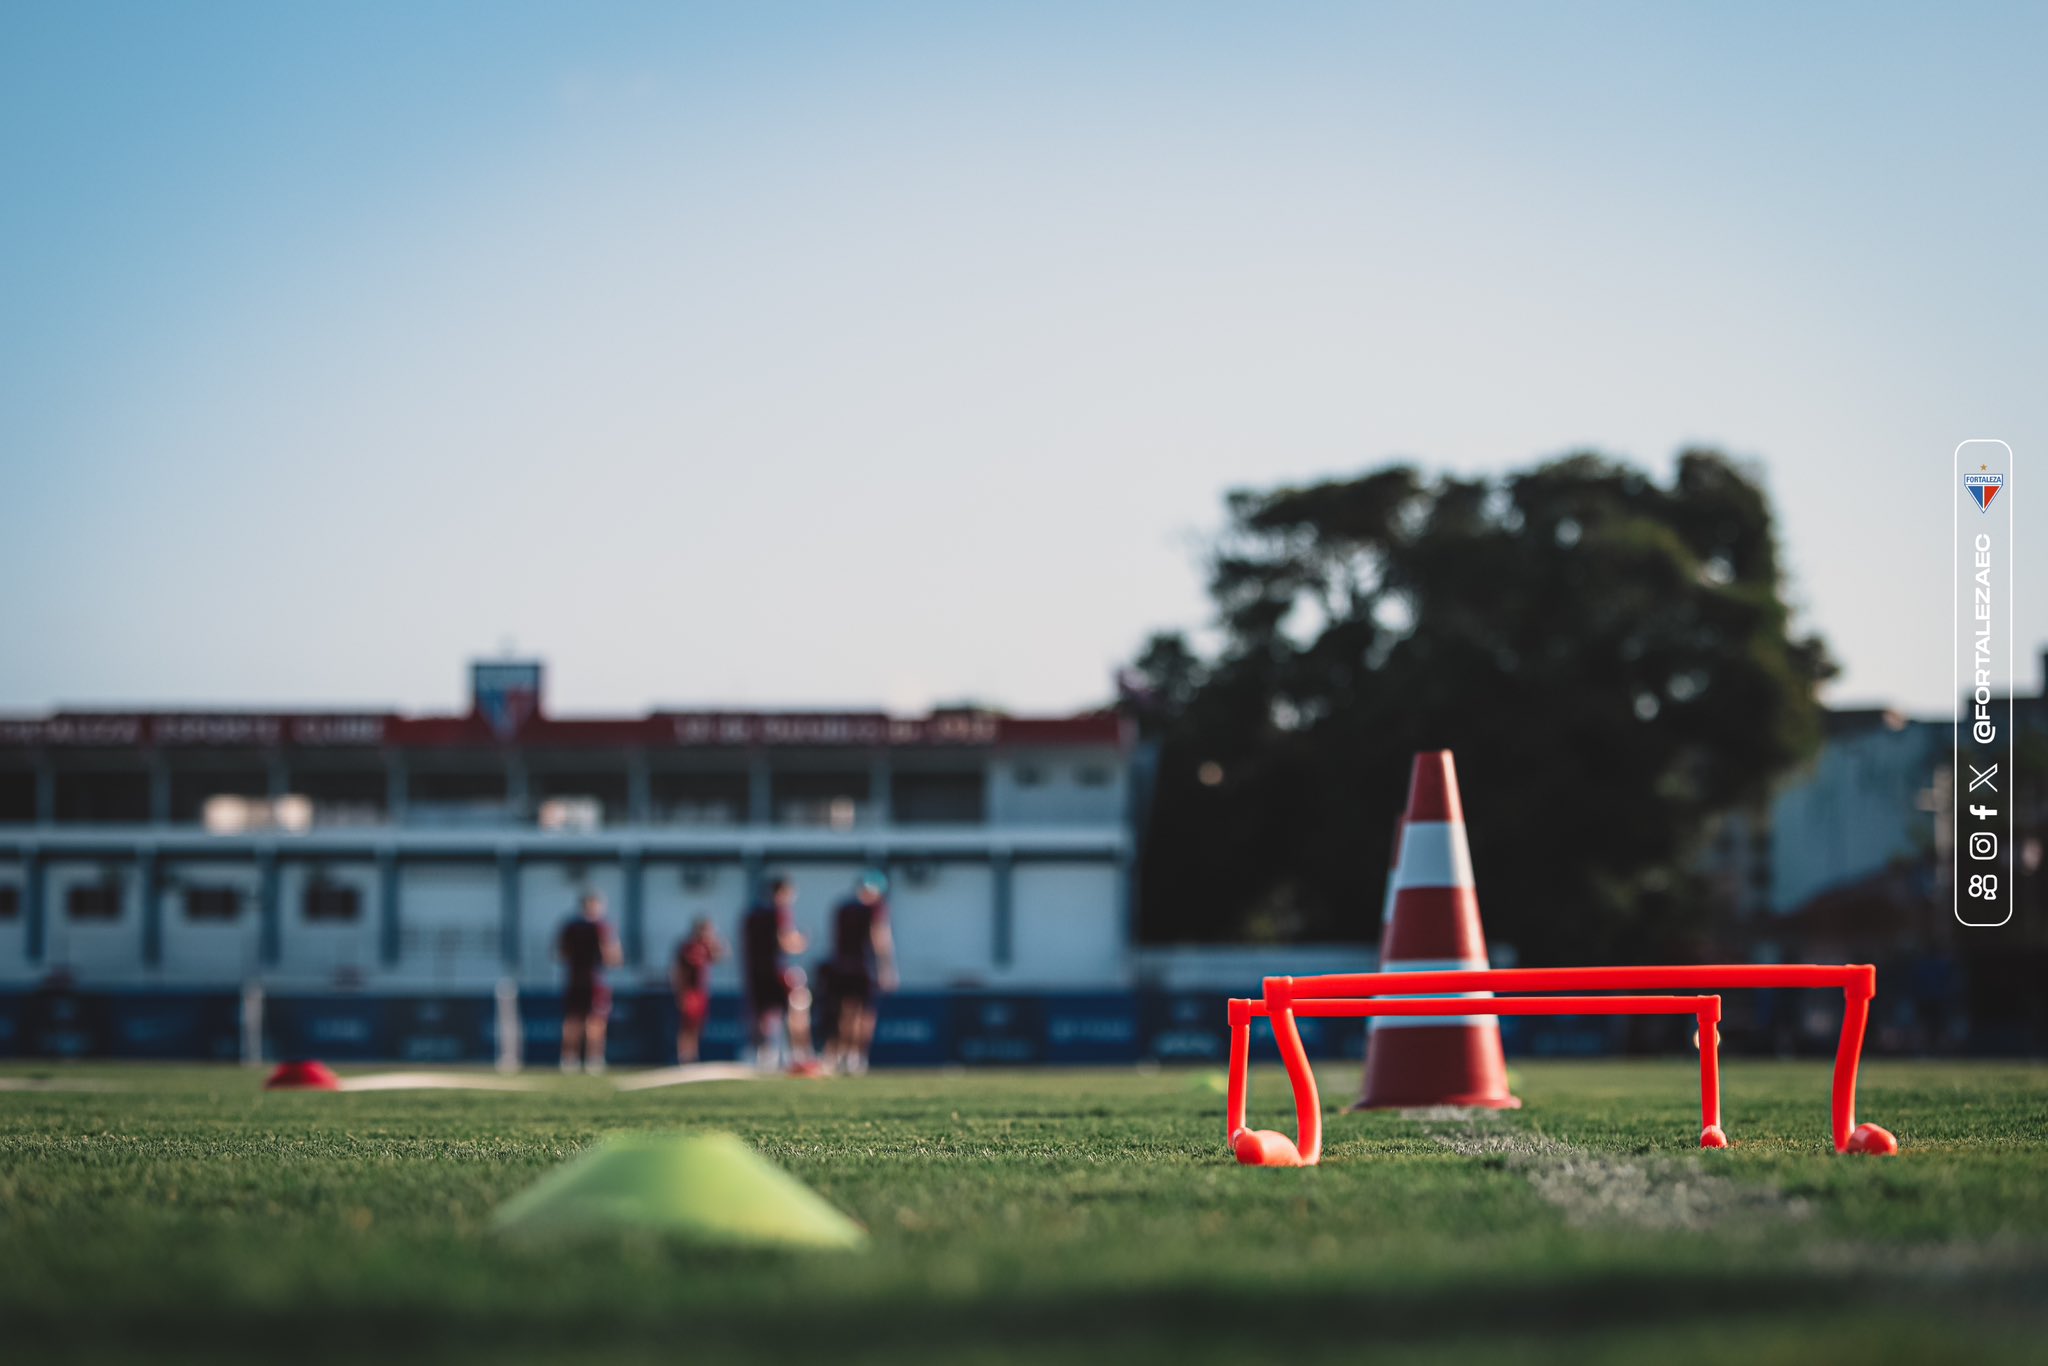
(103, 797)
(358, 795)
(1030, 775)
(457, 785)
(204, 902)
(834, 801)
(955, 798)
(595, 793)
(457, 796)
(227, 814)
(328, 902)
(1094, 775)
(93, 901)
(194, 790)
(570, 813)
(17, 796)
(698, 798)
(10, 902)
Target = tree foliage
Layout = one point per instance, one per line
(1610, 658)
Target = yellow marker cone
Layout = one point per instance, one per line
(709, 1188)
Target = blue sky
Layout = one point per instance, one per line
(885, 354)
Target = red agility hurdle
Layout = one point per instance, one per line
(1265, 1148)
(1350, 995)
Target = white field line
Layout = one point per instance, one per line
(434, 1081)
(686, 1074)
(1592, 1189)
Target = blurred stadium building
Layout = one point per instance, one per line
(414, 863)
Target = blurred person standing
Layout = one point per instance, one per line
(863, 962)
(778, 1002)
(586, 946)
(690, 976)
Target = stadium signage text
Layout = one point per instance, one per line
(223, 729)
(370, 730)
(806, 728)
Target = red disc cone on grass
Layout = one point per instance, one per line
(1432, 924)
(303, 1075)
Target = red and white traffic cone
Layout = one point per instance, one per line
(1432, 925)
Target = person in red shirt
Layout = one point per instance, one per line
(690, 975)
(863, 962)
(586, 946)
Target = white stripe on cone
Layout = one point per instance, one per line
(1434, 1021)
(1433, 854)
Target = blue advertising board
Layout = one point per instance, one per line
(914, 1029)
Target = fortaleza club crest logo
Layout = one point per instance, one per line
(1983, 487)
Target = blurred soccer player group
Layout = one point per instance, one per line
(779, 1001)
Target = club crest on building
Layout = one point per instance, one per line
(1983, 486)
(506, 693)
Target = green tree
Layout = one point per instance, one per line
(1610, 658)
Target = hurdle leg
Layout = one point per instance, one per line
(1308, 1105)
(1711, 1134)
(1269, 1147)
(1240, 1066)
(1851, 1137)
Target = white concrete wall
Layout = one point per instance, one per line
(449, 920)
(214, 953)
(313, 953)
(97, 952)
(944, 929)
(1066, 927)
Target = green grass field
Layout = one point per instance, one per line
(181, 1214)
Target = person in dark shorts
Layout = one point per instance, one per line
(863, 961)
(690, 975)
(586, 946)
(778, 1002)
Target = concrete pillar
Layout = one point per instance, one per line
(881, 803)
(269, 907)
(518, 787)
(151, 890)
(1127, 895)
(633, 916)
(159, 791)
(388, 938)
(639, 788)
(395, 786)
(35, 928)
(1003, 920)
(508, 910)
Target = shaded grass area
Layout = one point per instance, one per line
(1094, 1216)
